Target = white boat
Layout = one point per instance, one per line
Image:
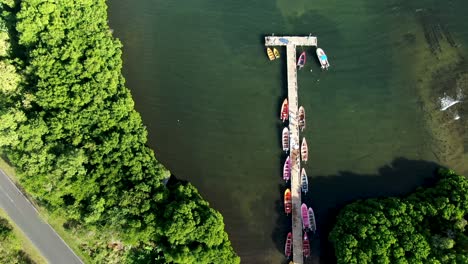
(285, 139)
(322, 58)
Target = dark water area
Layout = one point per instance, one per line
(210, 99)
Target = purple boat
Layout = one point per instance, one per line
(302, 60)
(287, 169)
(305, 216)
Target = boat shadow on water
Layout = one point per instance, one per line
(330, 193)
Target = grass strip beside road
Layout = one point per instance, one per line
(56, 222)
(26, 244)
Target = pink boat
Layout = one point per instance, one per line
(302, 60)
(305, 216)
(287, 169)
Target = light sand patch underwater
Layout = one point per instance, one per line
(440, 74)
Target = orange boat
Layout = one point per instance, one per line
(304, 150)
(288, 245)
(306, 246)
(287, 201)
(302, 121)
(284, 110)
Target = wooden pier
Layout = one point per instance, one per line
(294, 149)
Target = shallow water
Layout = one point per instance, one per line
(209, 97)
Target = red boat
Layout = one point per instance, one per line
(302, 60)
(285, 139)
(284, 110)
(306, 246)
(288, 245)
(304, 150)
(305, 216)
(302, 121)
(287, 201)
(287, 169)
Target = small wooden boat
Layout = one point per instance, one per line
(284, 114)
(306, 246)
(305, 217)
(304, 150)
(302, 60)
(313, 225)
(302, 121)
(288, 245)
(276, 52)
(304, 181)
(287, 201)
(285, 139)
(270, 54)
(287, 169)
(322, 58)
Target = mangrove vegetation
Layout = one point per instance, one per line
(68, 126)
(428, 226)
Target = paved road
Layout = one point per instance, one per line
(52, 247)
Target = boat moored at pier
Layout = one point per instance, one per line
(285, 139)
(287, 201)
(287, 169)
(284, 113)
(305, 217)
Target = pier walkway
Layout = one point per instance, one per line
(294, 148)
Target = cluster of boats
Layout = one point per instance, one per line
(307, 213)
(273, 53)
(322, 57)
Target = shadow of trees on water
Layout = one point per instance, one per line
(328, 194)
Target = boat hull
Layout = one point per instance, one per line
(287, 169)
(323, 59)
(276, 53)
(284, 113)
(285, 139)
(270, 54)
(302, 121)
(305, 217)
(302, 60)
(288, 245)
(304, 181)
(306, 245)
(287, 202)
(304, 150)
(313, 225)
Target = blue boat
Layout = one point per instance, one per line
(284, 41)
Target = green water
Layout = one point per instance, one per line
(210, 99)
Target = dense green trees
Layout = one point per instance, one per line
(68, 124)
(428, 226)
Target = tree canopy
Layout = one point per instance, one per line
(68, 124)
(428, 226)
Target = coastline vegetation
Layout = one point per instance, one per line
(428, 226)
(68, 126)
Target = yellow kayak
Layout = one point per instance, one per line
(276, 52)
(270, 54)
